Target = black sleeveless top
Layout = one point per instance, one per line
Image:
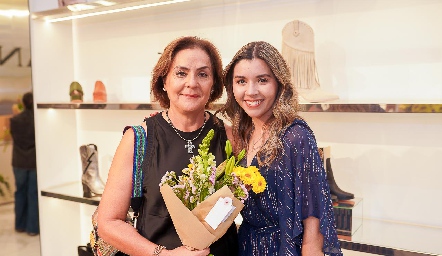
(167, 152)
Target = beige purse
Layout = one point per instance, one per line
(298, 49)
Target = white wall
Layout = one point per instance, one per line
(377, 51)
(392, 161)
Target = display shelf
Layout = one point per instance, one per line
(304, 107)
(375, 236)
(106, 106)
(348, 216)
(71, 192)
(387, 237)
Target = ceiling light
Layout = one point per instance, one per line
(105, 3)
(80, 7)
(123, 9)
(14, 13)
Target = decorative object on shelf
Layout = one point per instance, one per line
(76, 92)
(298, 49)
(99, 246)
(99, 94)
(348, 217)
(92, 183)
(334, 188)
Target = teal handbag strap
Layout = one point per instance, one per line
(140, 146)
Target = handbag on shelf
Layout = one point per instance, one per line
(99, 246)
(298, 49)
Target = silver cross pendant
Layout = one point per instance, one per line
(189, 147)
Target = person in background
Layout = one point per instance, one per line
(25, 168)
(185, 80)
(294, 215)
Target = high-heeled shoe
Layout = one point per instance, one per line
(76, 92)
(91, 181)
(99, 94)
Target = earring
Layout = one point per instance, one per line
(164, 89)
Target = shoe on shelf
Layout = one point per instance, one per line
(99, 95)
(334, 188)
(76, 92)
(18, 230)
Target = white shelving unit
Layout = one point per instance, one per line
(389, 160)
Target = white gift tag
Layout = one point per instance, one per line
(220, 212)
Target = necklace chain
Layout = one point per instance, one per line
(257, 147)
(254, 147)
(189, 145)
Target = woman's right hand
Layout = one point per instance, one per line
(183, 251)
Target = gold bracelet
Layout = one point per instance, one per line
(158, 250)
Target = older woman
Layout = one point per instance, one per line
(185, 80)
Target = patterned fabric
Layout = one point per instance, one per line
(296, 189)
(139, 149)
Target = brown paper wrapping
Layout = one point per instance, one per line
(190, 225)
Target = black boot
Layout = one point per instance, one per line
(334, 188)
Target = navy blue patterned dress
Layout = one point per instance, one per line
(296, 189)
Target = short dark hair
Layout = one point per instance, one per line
(162, 67)
(28, 100)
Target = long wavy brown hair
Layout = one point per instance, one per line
(285, 109)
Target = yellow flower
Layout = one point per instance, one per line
(190, 166)
(259, 184)
(247, 175)
(238, 171)
(254, 169)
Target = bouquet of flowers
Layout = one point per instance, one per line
(205, 200)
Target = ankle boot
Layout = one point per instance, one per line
(100, 94)
(76, 92)
(334, 188)
(92, 183)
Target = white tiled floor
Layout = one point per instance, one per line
(20, 244)
(11, 242)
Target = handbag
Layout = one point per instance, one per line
(99, 246)
(298, 49)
